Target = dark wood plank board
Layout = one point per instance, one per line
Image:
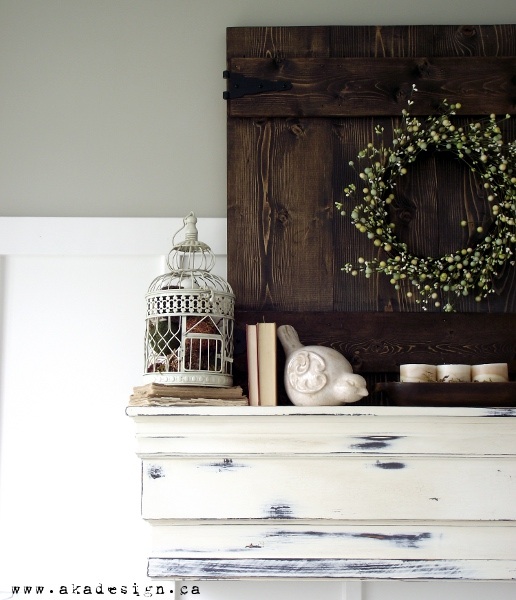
(281, 232)
(376, 343)
(277, 41)
(333, 87)
(380, 342)
(371, 41)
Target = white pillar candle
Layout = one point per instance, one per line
(453, 373)
(418, 373)
(495, 372)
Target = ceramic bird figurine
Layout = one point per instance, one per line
(318, 375)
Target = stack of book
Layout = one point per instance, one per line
(261, 364)
(159, 394)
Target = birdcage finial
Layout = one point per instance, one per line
(191, 233)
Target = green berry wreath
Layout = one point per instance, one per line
(468, 271)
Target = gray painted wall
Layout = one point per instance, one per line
(114, 107)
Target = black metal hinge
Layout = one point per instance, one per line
(240, 85)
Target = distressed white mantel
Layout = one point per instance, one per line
(329, 493)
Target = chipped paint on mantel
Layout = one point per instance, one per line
(335, 492)
(337, 568)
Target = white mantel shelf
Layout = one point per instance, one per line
(343, 411)
(354, 492)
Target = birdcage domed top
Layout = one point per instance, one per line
(190, 262)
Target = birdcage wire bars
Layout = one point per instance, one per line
(190, 318)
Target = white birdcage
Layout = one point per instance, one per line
(190, 318)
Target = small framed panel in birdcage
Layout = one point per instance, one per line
(190, 318)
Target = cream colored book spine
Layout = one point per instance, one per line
(267, 353)
(252, 364)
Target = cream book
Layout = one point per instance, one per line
(267, 387)
(252, 365)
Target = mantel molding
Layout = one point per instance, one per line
(328, 493)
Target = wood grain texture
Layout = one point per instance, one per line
(282, 236)
(308, 487)
(347, 432)
(372, 41)
(285, 174)
(403, 541)
(382, 341)
(342, 568)
(339, 87)
(276, 42)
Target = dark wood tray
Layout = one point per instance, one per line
(450, 394)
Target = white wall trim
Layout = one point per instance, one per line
(85, 236)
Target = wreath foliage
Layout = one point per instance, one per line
(468, 271)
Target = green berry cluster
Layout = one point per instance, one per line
(467, 271)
